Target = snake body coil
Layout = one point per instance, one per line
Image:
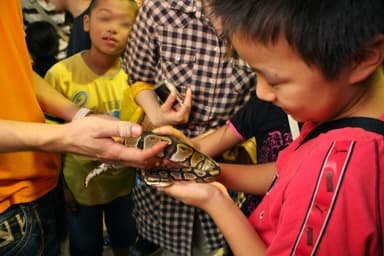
(191, 164)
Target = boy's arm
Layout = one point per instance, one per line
(251, 179)
(216, 142)
(52, 102)
(213, 198)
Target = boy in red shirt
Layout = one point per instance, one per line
(321, 62)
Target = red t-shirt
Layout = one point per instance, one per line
(353, 224)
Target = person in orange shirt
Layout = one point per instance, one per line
(28, 171)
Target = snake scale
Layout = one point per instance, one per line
(192, 165)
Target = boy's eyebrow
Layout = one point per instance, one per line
(266, 73)
(104, 9)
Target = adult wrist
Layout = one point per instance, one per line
(81, 113)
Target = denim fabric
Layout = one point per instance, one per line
(85, 227)
(30, 229)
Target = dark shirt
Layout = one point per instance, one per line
(268, 124)
(79, 39)
(270, 127)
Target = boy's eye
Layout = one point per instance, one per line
(273, 84)
(126, 25)
(104, 18)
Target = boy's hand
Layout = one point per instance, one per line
(170, 130)
(195, 193)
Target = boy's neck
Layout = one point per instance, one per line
(372, 103)
(101, 64)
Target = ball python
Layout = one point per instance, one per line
(192, 165)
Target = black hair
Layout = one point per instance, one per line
(329, 34)
(43, 45)
(95, 2)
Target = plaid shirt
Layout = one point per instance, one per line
(174, 40)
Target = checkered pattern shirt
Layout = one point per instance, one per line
(174, 40)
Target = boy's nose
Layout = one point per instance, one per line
(112, 30)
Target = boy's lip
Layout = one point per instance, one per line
(109, 39)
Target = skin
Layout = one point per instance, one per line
(165, 114)
(307, 97)
(98, 143)
(108, 25)
(216, 142)
(70, 138)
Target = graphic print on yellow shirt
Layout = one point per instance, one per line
(103, 95)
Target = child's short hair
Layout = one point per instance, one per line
(95, 2)
(329, 34)
(42, 40)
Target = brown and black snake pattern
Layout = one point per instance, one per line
(191, 164)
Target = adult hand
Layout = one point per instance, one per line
(93, 137)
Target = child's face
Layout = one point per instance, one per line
(288, 82)
(109, 24)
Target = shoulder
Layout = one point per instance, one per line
(69, 62)
(156, 8)
(66, 66)
(361, 145)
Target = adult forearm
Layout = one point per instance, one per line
(23, 136)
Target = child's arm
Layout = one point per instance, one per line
(52, 102)
(164, 114)
(213, 198)
(251, 179)
(216, 142)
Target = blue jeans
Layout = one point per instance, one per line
(30, 228)
(85, 227)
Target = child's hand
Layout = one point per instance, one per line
(170, 130)
(196, 193)
(177, 115)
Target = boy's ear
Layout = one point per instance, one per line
(368, 61)
(86, 23)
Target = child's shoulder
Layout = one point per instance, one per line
(357, 129)
(69, 63)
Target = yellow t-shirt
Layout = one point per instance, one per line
(24, 176)
(103, 94)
